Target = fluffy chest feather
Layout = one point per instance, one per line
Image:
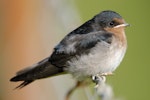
(102, 58)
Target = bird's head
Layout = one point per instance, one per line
(110, 21)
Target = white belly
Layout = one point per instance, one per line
(102, 59)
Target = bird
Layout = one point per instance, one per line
(96, 47)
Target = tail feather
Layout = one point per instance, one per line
(23, 84)
(40, 70)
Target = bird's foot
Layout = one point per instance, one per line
(100, 78)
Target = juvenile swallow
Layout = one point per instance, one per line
(96, 47)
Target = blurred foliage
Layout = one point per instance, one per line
(131, 80)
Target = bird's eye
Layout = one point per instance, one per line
(112, 23)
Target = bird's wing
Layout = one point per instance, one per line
(76, 44)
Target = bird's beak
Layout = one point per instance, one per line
(122, 25)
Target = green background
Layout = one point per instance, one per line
(131, 80)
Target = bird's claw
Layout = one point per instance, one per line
(100, 78)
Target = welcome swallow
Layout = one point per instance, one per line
(96, 47)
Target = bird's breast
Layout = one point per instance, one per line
(102, 58)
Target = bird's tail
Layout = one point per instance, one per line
(40, 70)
